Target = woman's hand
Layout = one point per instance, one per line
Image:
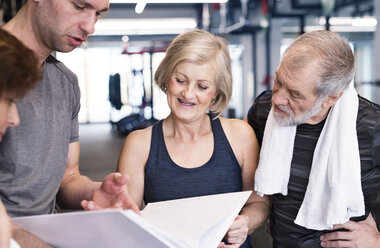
(237, 234)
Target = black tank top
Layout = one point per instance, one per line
(165, 180)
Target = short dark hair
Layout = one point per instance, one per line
(19, 68)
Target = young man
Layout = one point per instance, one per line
(41, 155)
(319, 148)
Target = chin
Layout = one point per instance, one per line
(64, 48)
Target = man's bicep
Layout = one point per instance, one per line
(72, 163)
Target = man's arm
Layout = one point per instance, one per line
(26, 239)
(74, 186)
(78, 191)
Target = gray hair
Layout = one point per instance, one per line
(331, 53)
(199, 47)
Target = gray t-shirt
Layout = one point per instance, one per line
(33, 155)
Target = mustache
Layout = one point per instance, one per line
(285, 109)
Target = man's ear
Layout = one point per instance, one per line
(331, 100)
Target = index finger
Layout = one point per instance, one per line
(349, 225)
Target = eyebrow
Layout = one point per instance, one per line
(181, 74)
(276, 75)
(202, 80)
(276, 78)
(291, 91)
(90, 6)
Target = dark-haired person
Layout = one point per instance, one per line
(43, 151)
(19, 72)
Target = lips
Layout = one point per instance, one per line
(186, 103)
(75, 41)
(283, 110)
(278, 110)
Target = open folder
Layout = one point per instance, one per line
(196, 222)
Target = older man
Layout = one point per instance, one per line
(39, 159)
(320, 146)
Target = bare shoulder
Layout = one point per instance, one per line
(139, 137)
(236, 128)
(137, 144)
(242, 139)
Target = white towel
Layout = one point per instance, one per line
(334, 192)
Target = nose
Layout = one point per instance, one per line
(188, 92)
(88, 23)
(279, 98)
(13, 117)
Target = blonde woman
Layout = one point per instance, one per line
(194, 151)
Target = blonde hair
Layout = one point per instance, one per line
(199, 47)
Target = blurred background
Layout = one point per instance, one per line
(116, 65)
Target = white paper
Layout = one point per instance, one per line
(197, 222)
(95, 229)
(196, 216)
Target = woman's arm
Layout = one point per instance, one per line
(246, 149)
(132, 160)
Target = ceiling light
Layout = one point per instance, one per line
(140, 7)
(364, 22)
(349, 21)
(144, 26)
(125, 38)
(169, 1)
(341, 29)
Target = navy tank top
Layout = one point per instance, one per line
(165, 180)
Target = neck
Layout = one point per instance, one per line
(21, 27)
(318, 117)
(187, 130)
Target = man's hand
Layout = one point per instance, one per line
(113, 193)
(362, 234)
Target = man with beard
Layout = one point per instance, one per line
(320, 146)
(39, 159)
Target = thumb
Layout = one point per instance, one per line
(121, 179)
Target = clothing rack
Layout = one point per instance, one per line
(136, 121)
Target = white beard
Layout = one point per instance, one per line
(290, 120)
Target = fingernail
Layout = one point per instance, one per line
(90, 205)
